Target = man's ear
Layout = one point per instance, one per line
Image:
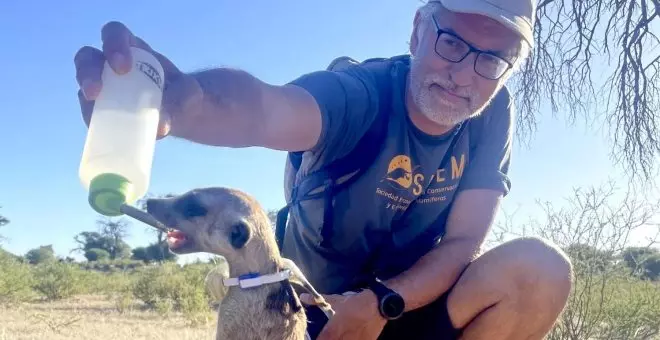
(239, 234)
(414, 34)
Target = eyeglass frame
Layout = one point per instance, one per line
(439, 32)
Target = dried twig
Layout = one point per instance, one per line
(572, 39)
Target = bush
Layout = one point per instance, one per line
(15, 279)
(154, 284)
(96, 254)
(169, 287)
(611, 305)
(112, 266)
(155, 252)
(57, 280)
(164, 288)
(43, 254)
(633, 309)
(612, 296)
(193, 299)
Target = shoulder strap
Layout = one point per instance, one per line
(335, 176)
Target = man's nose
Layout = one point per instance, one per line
(462, 73)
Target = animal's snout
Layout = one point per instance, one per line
(154, 205)
(159, 210)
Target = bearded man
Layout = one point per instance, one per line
(395, 170)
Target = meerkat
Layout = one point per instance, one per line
(259, 301)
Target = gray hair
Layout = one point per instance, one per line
(432, 6)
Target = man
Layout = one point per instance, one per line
(426, 182)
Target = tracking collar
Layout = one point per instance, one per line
(250, 280)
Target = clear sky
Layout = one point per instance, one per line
(42, 133)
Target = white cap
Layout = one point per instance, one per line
(518, 15)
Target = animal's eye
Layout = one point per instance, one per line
(239, 234)
(189, 207)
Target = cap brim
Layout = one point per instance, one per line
(512, 21)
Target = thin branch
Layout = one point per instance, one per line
(572, 39)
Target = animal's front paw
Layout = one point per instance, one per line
(324, 306)
(327, 309)
(318, 301)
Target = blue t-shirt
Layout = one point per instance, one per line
(364, 237)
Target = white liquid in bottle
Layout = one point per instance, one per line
(117, 157)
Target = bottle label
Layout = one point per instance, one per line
(151, 72)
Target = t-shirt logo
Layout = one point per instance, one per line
(400, 172)
(404, 182)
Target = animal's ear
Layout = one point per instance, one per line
(239, 234)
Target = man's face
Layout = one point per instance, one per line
(446, 92)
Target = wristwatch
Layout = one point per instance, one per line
(390, 304)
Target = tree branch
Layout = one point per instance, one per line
(572, 39)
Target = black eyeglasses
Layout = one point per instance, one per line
(454, 49)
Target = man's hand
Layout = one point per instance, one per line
(470, 219)
(182, 93)
(356, 316)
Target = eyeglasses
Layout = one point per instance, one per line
(454, 49)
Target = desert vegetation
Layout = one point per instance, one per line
(142, 288)
(616, 293)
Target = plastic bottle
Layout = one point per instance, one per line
(117, 156)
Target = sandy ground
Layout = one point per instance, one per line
(95, 317)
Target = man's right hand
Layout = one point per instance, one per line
(181, 93)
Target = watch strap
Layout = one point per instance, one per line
(385, 294)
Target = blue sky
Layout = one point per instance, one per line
(42, 133)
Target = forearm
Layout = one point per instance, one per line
(227, 112)
(435, 272)
(236, 109)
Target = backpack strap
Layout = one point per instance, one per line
(335, 176)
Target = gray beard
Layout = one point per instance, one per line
(435, 108)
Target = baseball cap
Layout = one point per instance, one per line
(519, 15)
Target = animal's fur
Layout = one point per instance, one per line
(232, 224)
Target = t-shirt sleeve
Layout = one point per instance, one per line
(347, 101)
(489, 165)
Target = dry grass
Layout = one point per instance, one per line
(96, 317)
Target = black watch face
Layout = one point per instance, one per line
(392, 305)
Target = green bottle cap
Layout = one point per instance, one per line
(107, 192)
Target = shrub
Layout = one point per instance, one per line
(155, 252)
(43, 254)
(96, 254)
(155, 283)
(182, 288)
(192, 298)
(611, 297)
(15, 279)
(57, 280)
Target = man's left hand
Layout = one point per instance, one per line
(356, 316)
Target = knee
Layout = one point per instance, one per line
(539, 267)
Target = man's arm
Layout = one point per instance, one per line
(467, 225)
(237, 109)
(481, 190)
(222, 106)
(325, 112)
